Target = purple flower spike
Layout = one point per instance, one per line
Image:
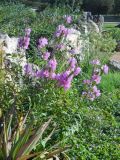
(96, 78)
(28, 69)
(68, 19)
(72, 62)
(52, 64)
(77, 71)
(20, 42)
(64, 79)
(39, 74)
(46, 55)
(68, 82)
(42, 42)
(26, 42)
(96, 91)
(45, 73)
(53, 76)
(105, 69)
(62, 31)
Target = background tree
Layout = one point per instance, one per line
(117, 7)
(64, 2)
(98, 6)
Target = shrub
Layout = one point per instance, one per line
(115, 33)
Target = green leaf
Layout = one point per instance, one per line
(22, 140)
(27, 148)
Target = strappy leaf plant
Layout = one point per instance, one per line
(19, 138)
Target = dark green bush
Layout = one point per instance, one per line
(115, 33)
(98, 7)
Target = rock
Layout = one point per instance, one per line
(9, 45)
(115, 60)
(12, 57)
(75, 42)
(74, 39)
(93, 27)
(10, 48)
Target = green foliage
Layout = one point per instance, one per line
(14, 18)
(115, 33)
(111, 82)
(108, 26)
(91, 128)
(19, 140)
(102, 46)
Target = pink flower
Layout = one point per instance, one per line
(96, 78)
(42, 42)
(77, 71)
(65, 80)
(26, 42)
(105, 69)
(95, 62)
(68, 82)
(53, 76)
(68, 19)
(45, 73)
(96, 91)
(23, 42)
(72, 62)
(52, 64)
(46, 55)
(28, 68)
(62, 31)
(39, 74)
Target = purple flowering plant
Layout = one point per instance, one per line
(54, 67)
(23, 42)
(91, 90)
(60, 69)
(68, 19)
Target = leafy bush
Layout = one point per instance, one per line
(14, 18)
(115, 33)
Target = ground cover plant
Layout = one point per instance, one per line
(113, 30)
(86, 118)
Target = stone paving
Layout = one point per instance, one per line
(115, 60)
